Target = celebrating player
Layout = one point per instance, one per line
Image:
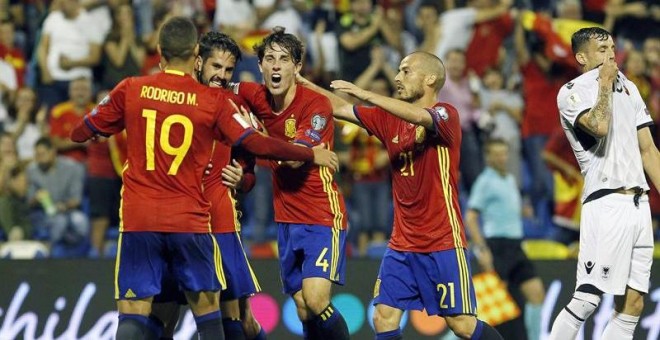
(311, 241)
(170, 122)
(425, 265)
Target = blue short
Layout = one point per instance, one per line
(310, 251)
(145, 258)
(241, 281)
(439, 282)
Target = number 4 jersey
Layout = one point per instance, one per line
(424, 166)
(171, 122)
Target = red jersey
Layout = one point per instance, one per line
(170, 121)
(484, 48)
(308, 120)
(63, 118)
(424, 165)
(15, 57)
(541, 114)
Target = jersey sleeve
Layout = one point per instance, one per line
(316, 124)
(574, 100)
(642, 113)
(107, 118)
(446, 122)
(249, 95)
(373, 119)
(230, 125)
(478, 195)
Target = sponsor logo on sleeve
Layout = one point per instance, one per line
(570, 85)
(241, 121)
(440, 113)
(589, 266)
(574, 99)
(233, 87)
(318, 122)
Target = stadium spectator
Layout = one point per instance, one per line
(273, 13)
(64, 117)
(27, 122)
(485, 48)
(124, 53)
(625, 17)
(14, 222)
(8, 86)
(10, 52)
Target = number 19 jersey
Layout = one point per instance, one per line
(170, 121)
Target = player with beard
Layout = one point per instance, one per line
(425, 265)
(311, 241)
(214, 67)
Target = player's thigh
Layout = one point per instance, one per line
(445, 282)
(324, 252)
(195, 262)
(607, 236)
(396, 285)
(290, 259)
(239, 276)
(642, 254)
(140, 265)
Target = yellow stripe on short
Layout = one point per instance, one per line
(254, 277)
(217, 258)
(117, 260)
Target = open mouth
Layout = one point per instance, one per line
(276, 79)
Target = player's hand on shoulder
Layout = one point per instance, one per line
(608, 71)
(325, 157)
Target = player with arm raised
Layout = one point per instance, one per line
(606, 122)
(170, 122)
(425, 265)
(311, 241)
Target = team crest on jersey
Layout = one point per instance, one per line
(290, 127)
(318, 122)
(420, 134)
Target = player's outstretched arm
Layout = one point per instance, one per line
(650, 156)
(341, 109)
(406, 111)
(268, 147)
(81, 132)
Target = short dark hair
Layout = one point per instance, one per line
(45, 142)
(214, 40)
(287, 41)
(177, 38)
(437, 5)
(582, 37)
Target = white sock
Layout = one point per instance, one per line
(620, 327)
(570, 319)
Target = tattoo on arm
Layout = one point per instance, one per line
(601, 113)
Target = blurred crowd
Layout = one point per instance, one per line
(505, 62)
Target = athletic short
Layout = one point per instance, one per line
(439, 282)
(241, 281)
(310, 251)
(144, 258)
(616, 244)
(510, 260)
(104, 197)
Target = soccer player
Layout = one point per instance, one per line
(214, 67)
(606, 122)
(170, 121)
(425, 265)
(311, 241)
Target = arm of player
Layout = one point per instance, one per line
(237, 130)
(484, 256)
(650, 156)
(106, 119)
(406, 111)
(341, 109)
(596, 121)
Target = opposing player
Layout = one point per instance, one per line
(425, 265)
(214, 67)
(170, 122)
(311, 241)
(606, 122)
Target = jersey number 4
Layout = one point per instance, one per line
(179, 152)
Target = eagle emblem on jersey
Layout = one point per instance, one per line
(290, 127)
(420, 134)
(318, 122)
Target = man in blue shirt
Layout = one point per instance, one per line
(495, 198)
